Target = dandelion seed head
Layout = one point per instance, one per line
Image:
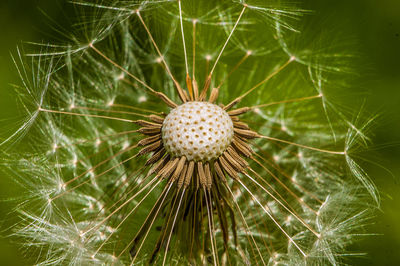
(197, 130)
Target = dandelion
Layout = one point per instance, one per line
(188, 132)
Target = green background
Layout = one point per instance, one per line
(374, 23)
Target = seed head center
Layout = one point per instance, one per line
(200, 131)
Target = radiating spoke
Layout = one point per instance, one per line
(97, 139)
(125, 218)
(280, 170)
(194, 82)
(121, 68)
(188, 80)
(303, 146)
(208, 79)
(241, 61)
(178, 87)
(86, 115)
(173, 225)
(109, 111)
(270, 76)
(133, 108)
(124, 204)
(287, 101)
(227, 40)
(167, 187)
(183, 36)
(151, 224)
(215, 255)
(280, 203)
(119, 200)
(91, 169)
(100, 164)
(280, 183)
(272, 218)
(247, 228)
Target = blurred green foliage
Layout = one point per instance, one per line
(376, 26)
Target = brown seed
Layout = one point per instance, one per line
(168, 168)
(167, 100)
(156, 156)
(213, 95)
(237, 157)
(145, 123)
(150, 148)
(156, 118)
(234, 118)
(189, 173)
(241, 147)
(179, 168)
(219, 171)
(239, 111)
(205, 89)
(149, 140)
(150, 130)
(248, 134)
(208, 175)
(241, 125)
(233, 103)
(236, 166)
(157, 167)
(202, 176)
(228, 168)
(182, 176)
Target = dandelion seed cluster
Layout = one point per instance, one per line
(197, 130)
(189, 132)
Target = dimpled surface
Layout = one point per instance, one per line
(200, 131)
